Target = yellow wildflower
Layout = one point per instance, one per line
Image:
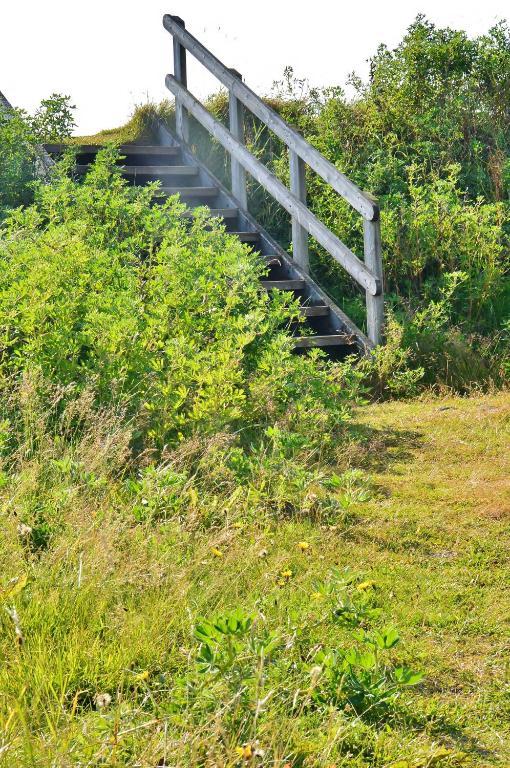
(303, 546)
(245, 752)
(216, 552)
(370, 584)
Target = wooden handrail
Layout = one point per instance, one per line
(279, 191)
(359, 200)
(369, 273)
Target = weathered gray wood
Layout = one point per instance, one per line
(150, 170)
(287, 200)
(124, 149)
(189, 191)
(360, 200)
(319, 310)
(283, 285)
(180, 73)
(299, 233)
(373, 260)
(332, 340)
(236, 119)
(216, 213)
(247, 237)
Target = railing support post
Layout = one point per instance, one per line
(236, 117)
(180, 74)
(373, 260)
(299, 233)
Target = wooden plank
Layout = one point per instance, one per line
(189, 191)
(299, 233)
(333, 340)
(220, 213)
(150, 170)
(283, 285)
(180, 72)
(359, 200)
(373, 259)
(319, 310)
(124, 149)
(247, 237)
(354, 266)
(236, 122)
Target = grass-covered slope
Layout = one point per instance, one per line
(137, 130)
(113, 668)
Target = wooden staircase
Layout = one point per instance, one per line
(181, 173)
(171, 160)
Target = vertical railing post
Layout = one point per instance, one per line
(236, 118)
(299, 234)
(180, 74)
(373, 260)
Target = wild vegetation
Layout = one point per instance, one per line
(214, 552)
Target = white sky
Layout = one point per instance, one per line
(112, 54)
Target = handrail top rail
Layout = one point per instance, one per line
(359, 200)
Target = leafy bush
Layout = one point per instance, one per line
(21, 159)
(103, 291)
(240, 661)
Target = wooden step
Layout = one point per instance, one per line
(124, 149)
(332, 340)
(317, 310)
(219, 213)
(283, 285)
(247, 237)
(189, 192)
(151, 170)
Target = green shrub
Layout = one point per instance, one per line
(103, 290)
(21, 159)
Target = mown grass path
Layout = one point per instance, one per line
(437, 539)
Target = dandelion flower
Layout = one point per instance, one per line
(245, 752)
(370, 584)
(102, 700)
(303, 546)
